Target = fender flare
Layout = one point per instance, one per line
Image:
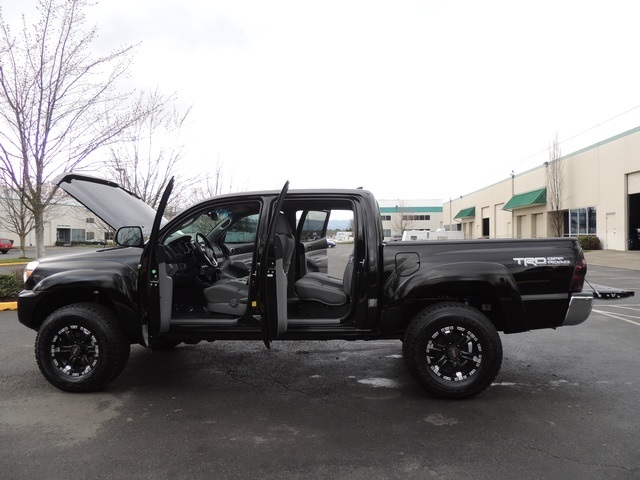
(425, 281)
(118, 285)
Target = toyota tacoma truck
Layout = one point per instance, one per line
(255, 266)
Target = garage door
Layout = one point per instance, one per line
(633, 183)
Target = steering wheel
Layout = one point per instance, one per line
(204, 250)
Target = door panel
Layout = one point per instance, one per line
(273, 280)
(152, 279)
(239, 265)
(312, 231)
(315, 253)
(240, 243)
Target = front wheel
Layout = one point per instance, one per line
(81, 348)
(452, 350)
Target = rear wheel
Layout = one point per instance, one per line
(452, 350)
(81, 348)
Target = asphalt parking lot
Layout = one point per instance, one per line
(565, 405)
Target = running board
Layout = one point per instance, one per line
(191, 322)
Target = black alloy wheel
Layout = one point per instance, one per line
(81, 348)
(452, 350)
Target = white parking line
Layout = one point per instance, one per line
(607, 304)
(617, 317)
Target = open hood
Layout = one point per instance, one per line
(112, 203)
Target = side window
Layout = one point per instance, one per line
(327, 237)
(314, 226)
(242, 231)
(341, 235)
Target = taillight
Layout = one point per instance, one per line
(579, 272)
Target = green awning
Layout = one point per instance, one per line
(466, 213)
(529, 199)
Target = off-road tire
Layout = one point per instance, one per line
(452, 350)
(81, 347)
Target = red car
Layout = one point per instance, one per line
(5, 245)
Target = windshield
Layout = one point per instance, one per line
(205, 222)
(229, 224)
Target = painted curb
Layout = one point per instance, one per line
(8, 306)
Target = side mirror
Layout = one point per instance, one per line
(130, 237)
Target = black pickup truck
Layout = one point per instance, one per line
(255, 266)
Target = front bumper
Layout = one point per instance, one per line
(27, 301)
(580, 305)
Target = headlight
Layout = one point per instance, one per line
(28, 270)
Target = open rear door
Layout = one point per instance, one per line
(154, 311)
(273, 279)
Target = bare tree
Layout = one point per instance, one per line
(214, 183)
(401, 220)
(211, 185)
(555, 187)
(15, 217)
(150, 152)
(53, 93)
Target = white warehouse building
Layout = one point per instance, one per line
(67, 222)
(399, 216)
(601, 196)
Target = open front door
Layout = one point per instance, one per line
(153, 289)
(273, 272)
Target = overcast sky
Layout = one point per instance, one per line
(409, 99)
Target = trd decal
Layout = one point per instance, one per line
(541, 261)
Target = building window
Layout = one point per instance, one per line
(386, 232)
(591, 219)
(416, 217)
(385, 218)
(582, 221)
(77, 235)
(91, 220)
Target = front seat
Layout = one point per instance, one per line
(230, 296)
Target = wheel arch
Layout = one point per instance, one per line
(487, 287)
(109, 289)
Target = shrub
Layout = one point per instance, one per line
(589, 242)
(10, 285)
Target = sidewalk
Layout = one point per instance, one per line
(614, 258)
